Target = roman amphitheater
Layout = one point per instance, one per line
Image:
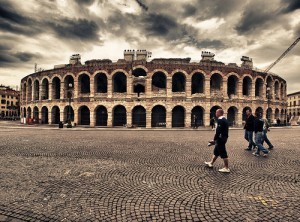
(134, 92)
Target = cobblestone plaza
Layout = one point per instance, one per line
(50, 174)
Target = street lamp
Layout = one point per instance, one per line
(268, 98)
(69, 125)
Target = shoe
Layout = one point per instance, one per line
(208, 164)
(224, 170)
(271, 147)
(255, 154)
(266, 154)
(255, 148)
(248, 149)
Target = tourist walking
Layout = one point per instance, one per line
(249, 128)
(258, 129)
(266, 128)
(219, 141)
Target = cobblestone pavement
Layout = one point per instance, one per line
(107, 175)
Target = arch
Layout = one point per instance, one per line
(139, 88)
(232, 115)
(277, 113)
(269, 85)
(178, 82)
(216, 83)
(159, 81)
(36, 92)
(139, 72)
(281, 91)
(119, 116)
(84, 115)
(29, 90)
(45, 89)
(69, 79)
(68, 114)
(101, 116)
(56, 88)
(55, 114)
(198, 111)
(198, 82)
(100, 82)
(84, 83)
(259, 84)
(232, 85)
(29, 112)
(44, 119)
(119, 82)
(24, 112)
(35, 114)
(178, 116)
(158, 116)
(247, 86)
(259, 110)
(244, 113)
(139, 116)
(213, 111)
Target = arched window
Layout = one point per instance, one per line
(247, 86)
(178, 82)
(119, 116)
(215, 83)
(159, 82)
(120, 83)
(84, 115)
(45, 89)
(198, 83)
(100, 83)
(232, 85)
(56, 88)
(139, 116)
(101, 116)
(158, 116)
(84, 83)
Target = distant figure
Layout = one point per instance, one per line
(212, 123)
(249, 128)
(258, 129)
(195, 121)
(220, 140)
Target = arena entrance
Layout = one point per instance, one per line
(158, 116)
(101, 116)
(84, 115)
(198, 112)
(178, 114)
(68, 112)
(119, 116)
(139, 116)
(232, 115)
(55, 113)
(45, 115)
(213, 111)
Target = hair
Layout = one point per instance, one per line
(258, 114)
(250, 110)
(221, 111)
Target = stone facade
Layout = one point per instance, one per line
(159, 93)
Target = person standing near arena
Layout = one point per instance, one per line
(249, 128)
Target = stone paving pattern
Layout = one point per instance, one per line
(140, 175)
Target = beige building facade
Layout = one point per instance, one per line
(10, 104)
(134, 92)
(293, 109)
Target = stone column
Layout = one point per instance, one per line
(253, 90)
(207, 87)
(168, 118)
(148, 119)
(240, 88)
(188, 122)
(92, 87)
(128, 118)
(92, 118)
(148, 88)
(109, 87)
(224, 89)
(239, 119)
(76, 120)
(76, 89)
(61, 96)
(40, 92)
(188, 89)
(169, 86)
(50, 91)
(206, 117)
(50, 116)
(129, 87)
(109, 119)
(40, 116)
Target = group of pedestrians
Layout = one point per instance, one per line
(255, 125)
(260, 127)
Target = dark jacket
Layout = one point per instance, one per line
(249, 125)
(221, 130)
(258, 125)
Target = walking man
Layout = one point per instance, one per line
(258, 129)
(220, 140)
(249, 128)
(266, 128)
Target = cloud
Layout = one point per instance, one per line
(159, 24)
(10, 59)
(85, 2)
(292, 5)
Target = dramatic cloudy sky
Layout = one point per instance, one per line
(47, 32)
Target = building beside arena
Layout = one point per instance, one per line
(293, 108)
(10, 103)
(158, 93)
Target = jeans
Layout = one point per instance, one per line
(249, 138)
(265, 138)
(259, 138)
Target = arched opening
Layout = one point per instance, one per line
(198, 83)
(244, 116)
(84, 83)
(178, 82)
(259, 87)
(29, 112)
(45, 89)
(55, 114)
(139, 88)
(282, 114)
(100, 83)
(29, 90)
(24, 112)
(215, 84)
(68, 113)
(120, 83)
(259, 110)
(232, 115)
(84, 115)
(247, 86)
(139, 72)
(139, 116)
(269, 86)
(277, 113)
(56, 88)
(269, 114)
(232, 86)
(213, 111)
(24, 91)
(197, 111)
(36, 86)
(178, 114)
(158, 116)
(35, 114)
(101, 116)
(282, 91)
(119, 116)
(69, 80)
(159, 82)
(44, 115)
(277, 93)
